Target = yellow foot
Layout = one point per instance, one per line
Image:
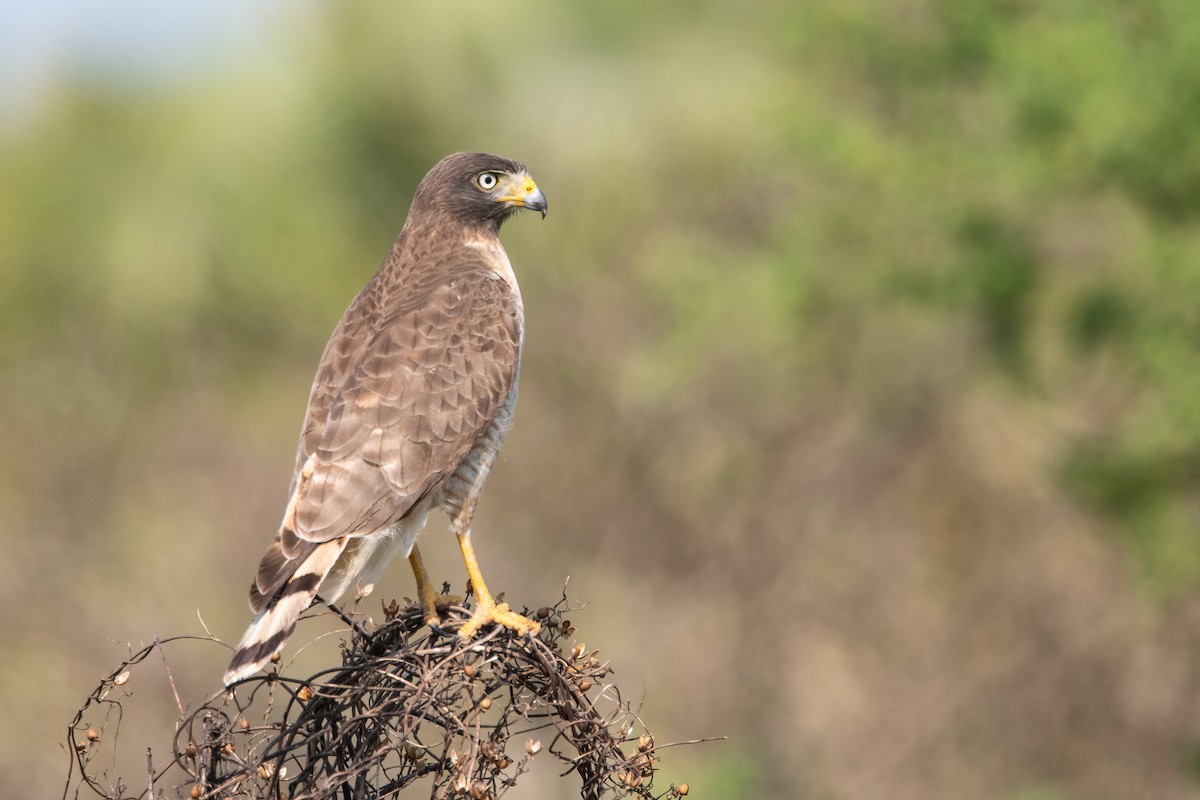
(431, 602)
(489, 611)
(433, 607)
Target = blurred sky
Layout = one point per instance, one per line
(144, 41)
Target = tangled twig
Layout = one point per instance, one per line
(409, 705)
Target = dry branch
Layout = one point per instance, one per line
(408, 707)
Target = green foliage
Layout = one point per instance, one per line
(1048, 202)
(1001, 269)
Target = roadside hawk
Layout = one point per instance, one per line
(411, 402)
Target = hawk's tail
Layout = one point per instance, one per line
(276, 623)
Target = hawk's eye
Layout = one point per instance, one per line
(487, 180)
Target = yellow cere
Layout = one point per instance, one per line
(520, 191)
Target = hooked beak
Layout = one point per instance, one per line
(522, 192)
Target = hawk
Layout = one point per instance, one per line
(409, 407)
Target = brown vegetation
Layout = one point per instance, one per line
(409, 709)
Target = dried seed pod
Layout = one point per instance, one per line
(533, 746)
(244, 724)
(584, 685)
(196, 792)
(543, 613)
(682, 789)
(190, 750)
(228, 748)
(276, 657)
(305, 694)
(479, 791)
(93, 735)
(645, 742)
(485, 703)
(469, 670)
(578, 650)
(121, 679)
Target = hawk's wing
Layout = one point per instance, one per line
(412, 376)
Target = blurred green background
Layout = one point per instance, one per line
(861, 396)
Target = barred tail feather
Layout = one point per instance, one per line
(276, 623)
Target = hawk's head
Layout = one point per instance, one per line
(477, 189)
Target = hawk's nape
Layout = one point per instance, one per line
(409, 408)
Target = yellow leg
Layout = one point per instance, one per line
(487, 609)
(426, 594)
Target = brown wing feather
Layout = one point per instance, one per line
(412, 376)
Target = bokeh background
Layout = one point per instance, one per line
(861, 398)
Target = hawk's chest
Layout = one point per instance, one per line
(501, 269)
(462, 488)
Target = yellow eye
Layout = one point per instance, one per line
(487, 180)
